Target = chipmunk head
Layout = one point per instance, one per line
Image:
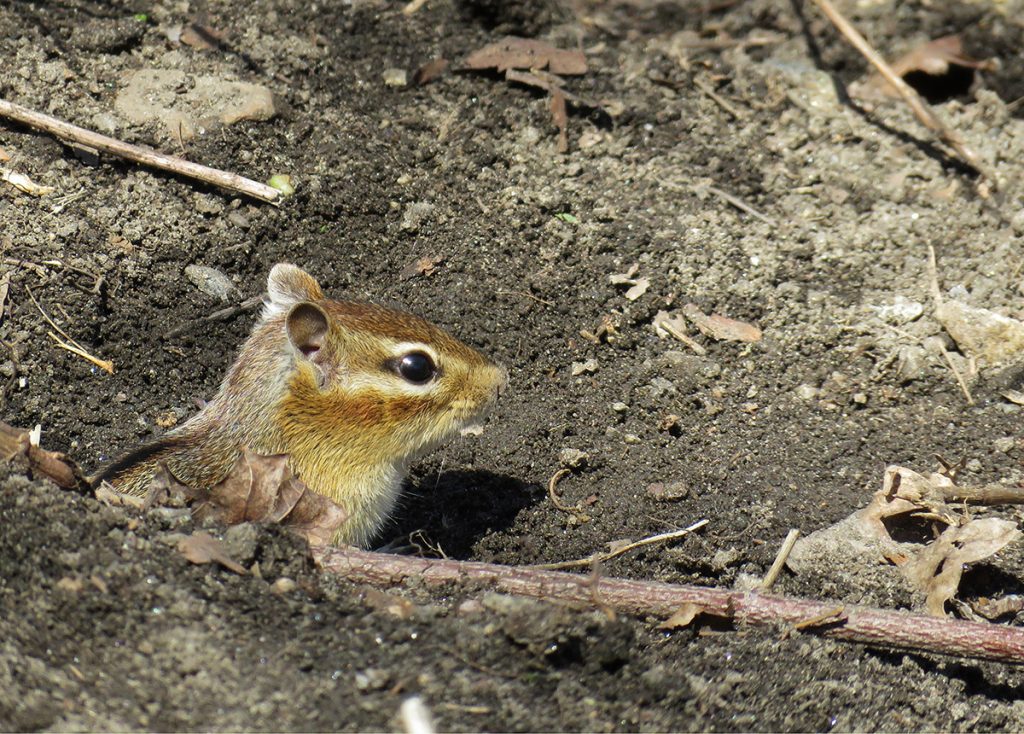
(368, 389)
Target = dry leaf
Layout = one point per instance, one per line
(513, 52)
(430, 71)
(996, 608)
(424, 266)
(1014, 396)
(24, 184)
(264, 489)
(938, 568)
(4, 155)
(18, 446)
(720, 327)
(932, 58)
(201, 36)
(201, 547)
(682, 617)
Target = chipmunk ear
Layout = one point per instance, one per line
(307, 328)
(288, 285)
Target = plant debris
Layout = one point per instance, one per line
(201, 547)
(990, 337)
(721, 327)
(430, 71)
(933, 58)
(513, 52)
(24, 184)
(425, 266)
(938, 568)
(264, 489)
(857, 547)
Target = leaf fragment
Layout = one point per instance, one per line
(513, 52)
(721, 327)
(201, 547)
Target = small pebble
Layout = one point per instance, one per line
(573, 458)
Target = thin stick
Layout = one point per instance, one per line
(139, 154)
(937, 296)
(607, 556)
(718, 99)
(673, 331)
(70, 345)
(780, 560)
(103, 364)
(221, 315)
(553, 495)
(738, 203)
(875, 627)
(917, 105)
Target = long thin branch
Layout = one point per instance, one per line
(893, 629)
(139, 154)
(917, 105)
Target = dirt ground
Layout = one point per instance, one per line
(105, 626)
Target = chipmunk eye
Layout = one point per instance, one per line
(417, 367)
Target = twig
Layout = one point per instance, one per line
(70, 344)
(780, 560)
(103, 364)
(718, 99)
(875, 627)
(937, 296)
(607, 556)
(684, 338)
(139, 154)
(221, 315)
(553, 496)
(917, 105)
(736, 202)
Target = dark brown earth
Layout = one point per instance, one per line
(103, 625)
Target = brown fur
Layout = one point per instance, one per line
(350, 424)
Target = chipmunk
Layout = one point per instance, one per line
(351, 392)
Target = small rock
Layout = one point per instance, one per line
(1005, 444)
(372, 679)
(860, 398)
(589, 366)
(911, 363)
(973, 466)
(241, 542)
(210, 281)
(415, 215)
(282, 585)
(807, 392)
(668, 492)
(989, 336)
(395, 77)
(620, 407)
(573, 458)
(724, 558)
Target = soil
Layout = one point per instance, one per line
(106, 626)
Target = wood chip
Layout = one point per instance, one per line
(201, 547)
(721, 327)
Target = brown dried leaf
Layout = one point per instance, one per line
(264, 489)
(937, 569)
(996, 608)
(201, 547)
(16, 446)
(425, 266)
(201, 36)
(512, 52)
(430, 71)
(682, 617)
(721, 327)
(4, 155)
(933, 57)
